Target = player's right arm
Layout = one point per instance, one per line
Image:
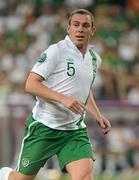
(35, 87)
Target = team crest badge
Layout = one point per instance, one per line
(25, 162)
(42, 58)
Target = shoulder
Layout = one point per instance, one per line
(53, 52)
(61, 45)
(51, 49)
(50, 52)
(57, 47)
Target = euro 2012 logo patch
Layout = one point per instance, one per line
(42, 57)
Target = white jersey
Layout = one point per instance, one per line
(66, 71)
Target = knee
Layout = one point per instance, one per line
(81, 169)
(87, 174)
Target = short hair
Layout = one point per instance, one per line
(81, 11)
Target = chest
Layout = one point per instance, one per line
(75, 66)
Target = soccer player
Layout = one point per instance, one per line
(62, 80)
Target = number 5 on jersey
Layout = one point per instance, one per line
(70, 69)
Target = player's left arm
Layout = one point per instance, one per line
(93, 109)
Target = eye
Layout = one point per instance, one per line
(86, 25)
(75, 24)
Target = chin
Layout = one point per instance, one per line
(79, 44)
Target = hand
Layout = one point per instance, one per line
(104, 124)
(74, 105)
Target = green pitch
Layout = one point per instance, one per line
(104, 177)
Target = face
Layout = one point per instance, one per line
(80, 30)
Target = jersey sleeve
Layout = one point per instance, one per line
(47, 62)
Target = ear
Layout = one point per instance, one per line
(93, 30)
(68, 27)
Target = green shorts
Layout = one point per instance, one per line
(41, 142)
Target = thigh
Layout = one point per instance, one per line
(76, 147)
(81, 169)
(38, 145)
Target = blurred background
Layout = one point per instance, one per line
(27, 28)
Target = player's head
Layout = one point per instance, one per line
(81, 11)
(80, 27)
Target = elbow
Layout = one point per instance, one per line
(32, 84)
(27, 88)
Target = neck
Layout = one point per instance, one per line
(82, 50)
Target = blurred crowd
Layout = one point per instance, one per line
(27, 28)
(117, 152)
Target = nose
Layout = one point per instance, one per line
(80, 28)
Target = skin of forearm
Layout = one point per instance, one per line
(92, 107)
(36, 88)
